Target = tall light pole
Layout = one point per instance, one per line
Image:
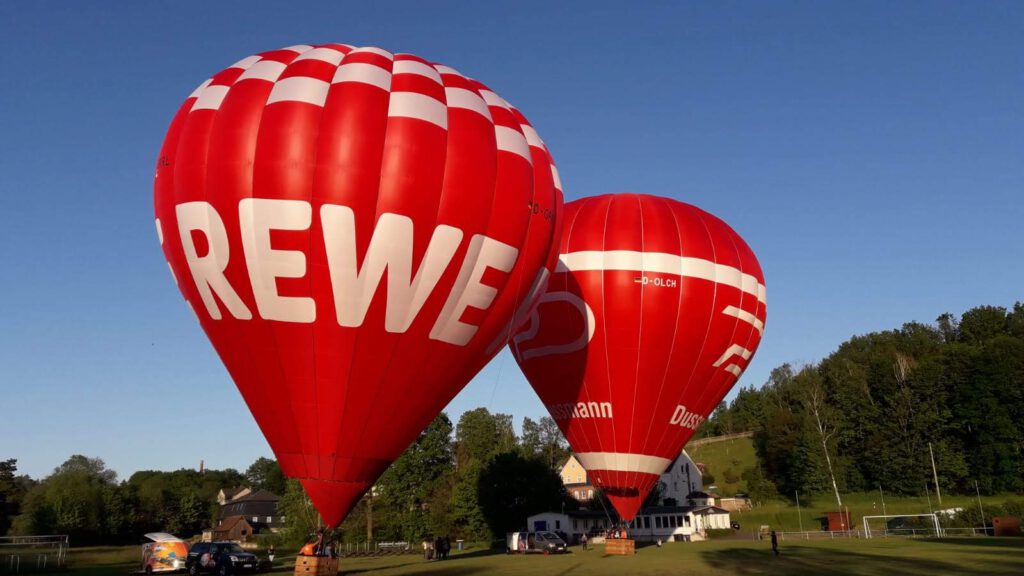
(798, 514)
(935, 475)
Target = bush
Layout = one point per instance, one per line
(730, 476)
(719, 533)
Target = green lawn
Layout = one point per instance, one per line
(784, 515)
(720, 458)
(734, 557)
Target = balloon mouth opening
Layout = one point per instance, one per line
(619, 492)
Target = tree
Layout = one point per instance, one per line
(266, 474)
(512, 487)
(7, 493)
(544, 440)
(301, 517)
(70, 501)
(815, 403)
(405, 491)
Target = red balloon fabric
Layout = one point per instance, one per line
(355, 231)
(654, 311)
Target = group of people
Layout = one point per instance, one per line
(438, 547)
(319, 547)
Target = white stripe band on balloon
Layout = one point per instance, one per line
(620, 462)
(662, 263)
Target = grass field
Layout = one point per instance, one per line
(719, 458)
(737, 557)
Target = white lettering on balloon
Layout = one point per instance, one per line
(208, 270)
(533, 326)
(353, 286)
(686, 419)
(259, 216)
(580, 410)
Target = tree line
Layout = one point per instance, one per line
(875, 412)
(473, 481)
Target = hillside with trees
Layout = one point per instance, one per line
(866, 416)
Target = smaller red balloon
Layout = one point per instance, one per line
(654, 311)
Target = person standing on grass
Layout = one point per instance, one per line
(775, 543)
(583, 541)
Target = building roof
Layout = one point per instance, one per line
(259, 496)
(227, 524)
(705, 510)
(230, 493)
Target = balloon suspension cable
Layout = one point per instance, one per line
(606, 513)
(497, 379)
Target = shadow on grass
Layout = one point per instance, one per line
(803, 560)
(981, 542)
(442, 568)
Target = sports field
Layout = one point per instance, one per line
(734, 557)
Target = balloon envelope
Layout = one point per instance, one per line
(354, 230)
(654, 311)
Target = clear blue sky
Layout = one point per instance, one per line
(872, 154)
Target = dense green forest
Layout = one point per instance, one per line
(867, 414)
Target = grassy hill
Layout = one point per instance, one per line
(726, 459)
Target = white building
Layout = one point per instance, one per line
(667, 523)
(680, 479)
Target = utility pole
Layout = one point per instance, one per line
(980, 508)
(928, 493)
(935, 475)
(883, 498)
(369, 517)
(798, 514)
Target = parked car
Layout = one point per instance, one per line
(223, 558)
(534, 543)
(734, 525)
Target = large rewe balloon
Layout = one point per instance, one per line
(654, 311)
(355, 231)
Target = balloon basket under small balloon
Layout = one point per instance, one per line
(316, 566)
(617, 547)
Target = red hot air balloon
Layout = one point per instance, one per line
(654, 311)
(354, 230)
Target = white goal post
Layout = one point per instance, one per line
(932, 519)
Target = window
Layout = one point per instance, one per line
(269, 519)
(579, 478)
(679, 520)
(590, 494)
(575, 524)
(657, 521)
(558, 524)
(647, 521)
(672, 521)
(255, 518)
(687, 520)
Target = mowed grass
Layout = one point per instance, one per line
(735, 456)
(854, 557)
(785, 516)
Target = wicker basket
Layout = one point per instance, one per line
(316, 566)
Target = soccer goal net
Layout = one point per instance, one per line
(913, 525)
